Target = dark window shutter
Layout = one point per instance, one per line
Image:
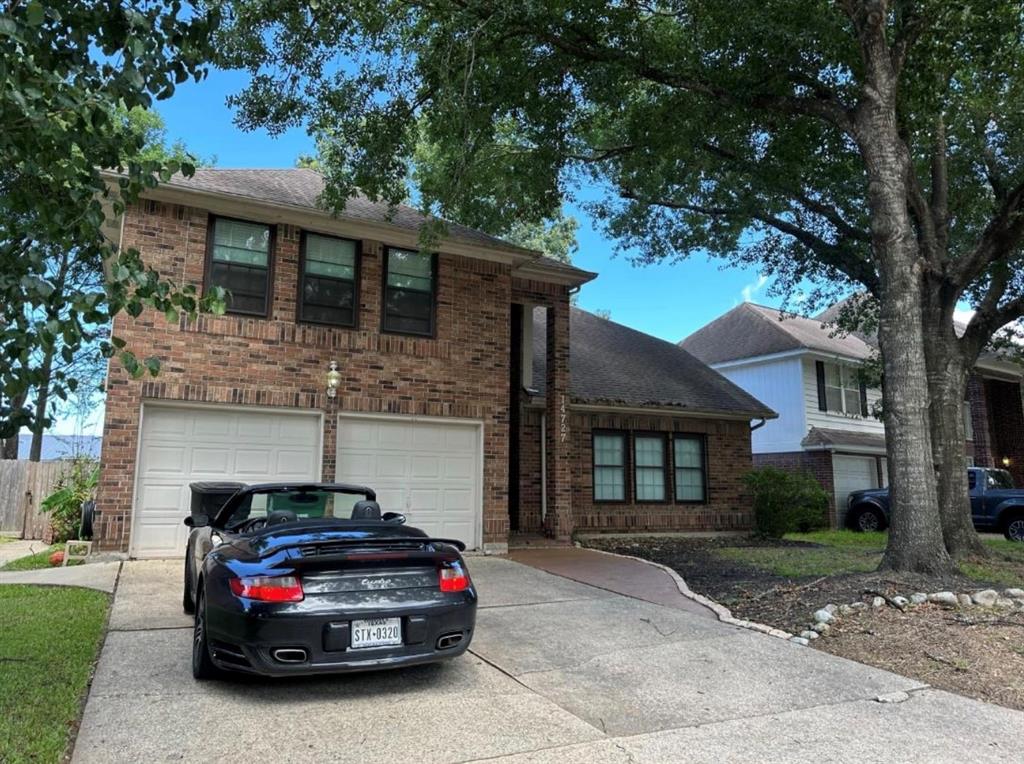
(819, 368)
(863, 399)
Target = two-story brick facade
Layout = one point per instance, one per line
(429, 404)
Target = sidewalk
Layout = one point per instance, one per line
(13, 550)
(97, 575)
(621, 575)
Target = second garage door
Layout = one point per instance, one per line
(852, 473)
(429, 470)
(180, 444)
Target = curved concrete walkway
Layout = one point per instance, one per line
(98, 575)
(15, 550)
(613, 573)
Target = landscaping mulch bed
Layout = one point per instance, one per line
(975, 652)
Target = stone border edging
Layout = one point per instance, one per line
(724, 614)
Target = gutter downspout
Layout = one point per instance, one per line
(759, 425)
(543, 468)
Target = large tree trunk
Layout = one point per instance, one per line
(42, 400)
(947, 386)
(915, 535)
(9, 447)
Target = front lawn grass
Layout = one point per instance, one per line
(33, 561)
(49, 642)
(841, 552)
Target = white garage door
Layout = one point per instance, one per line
(179, 445)
(429, 470)
(852, 473)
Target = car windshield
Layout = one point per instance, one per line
(1000, 479)
(306, 504)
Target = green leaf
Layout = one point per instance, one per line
(35, 14)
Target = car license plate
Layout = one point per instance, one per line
(376, 632)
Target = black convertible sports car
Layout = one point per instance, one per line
(285, 579)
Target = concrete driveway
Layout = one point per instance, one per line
(558, 672)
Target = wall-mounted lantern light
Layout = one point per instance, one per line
(333, 380)
(1006, 461)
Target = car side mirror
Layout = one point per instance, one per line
(393, 517)
(197, 521)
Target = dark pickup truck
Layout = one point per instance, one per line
(996, 506)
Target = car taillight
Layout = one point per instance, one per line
(268, 588)
(453, 578)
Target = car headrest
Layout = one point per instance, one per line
(366, 510)
(277, 516)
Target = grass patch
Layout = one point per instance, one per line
(843, 551)
(48, 644)
(32, 561)
(803, 562)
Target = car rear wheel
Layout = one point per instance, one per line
(187, 603)
(1013, 528)
(202, 664)
(867, 519)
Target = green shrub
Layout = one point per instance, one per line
(786, 502)
(75, 486)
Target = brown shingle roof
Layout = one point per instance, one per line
(823, 437)
(302, 187)
(612, 364)
(749, 331)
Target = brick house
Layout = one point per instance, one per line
(807, 371)
(469, 393)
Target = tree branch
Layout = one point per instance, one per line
(1001, 236)
(832, 255)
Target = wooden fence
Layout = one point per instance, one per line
(23, 486)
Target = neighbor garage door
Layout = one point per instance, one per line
(179, 445)
(429, 470)
(852, 473)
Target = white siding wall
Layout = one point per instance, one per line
(777, 384)
(831, 420)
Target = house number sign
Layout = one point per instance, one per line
(563, 421)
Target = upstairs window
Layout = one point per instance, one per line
(239, 261)
(649, 458)
(691, 468)
(328, 286)
(410, 292)
(609, 466)
(840, 390)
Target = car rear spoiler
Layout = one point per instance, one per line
(367, 549)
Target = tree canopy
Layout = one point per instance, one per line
(72, 70)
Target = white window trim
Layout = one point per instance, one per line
(848, 382)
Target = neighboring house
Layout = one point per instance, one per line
(807, 370)
(440, 403)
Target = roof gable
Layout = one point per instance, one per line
(752, 331)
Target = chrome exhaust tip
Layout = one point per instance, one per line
(290, 655)
(447, 641)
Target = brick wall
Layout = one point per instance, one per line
(981, 447)
(728, 451)
(464, 372)
(1006, 420)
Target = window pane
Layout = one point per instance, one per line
(246, 286)
(689, 485)
(328, 301)
(609, 484)
(330, 257)
(833, 375)
(834, 398)
(609, 450)
(649, 452)
(852, 401)
(688, 453)
(407, 311)
(650, 484)
(236, 241)
(407, 263)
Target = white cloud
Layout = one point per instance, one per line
(963, 316)
(753, 288)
